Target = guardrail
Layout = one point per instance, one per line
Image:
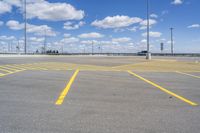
(114, 54)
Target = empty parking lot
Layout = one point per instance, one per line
(99, 94)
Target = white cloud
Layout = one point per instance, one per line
(91, 35)
(66, 35)
(15, 25)
(143, 41)
(121, 40)
(143, 27)
(144, 24)
(152, 34)
(90, 42)
(177, 2)
(154, 16)
(45, 10)
(134, 29)
(7, 38)
(71, 26)
(39, 30)
(17, 3)
(5, 7)
(151, 22)
(69, 40)
(116, 22)
(194, 26)
(36, 39)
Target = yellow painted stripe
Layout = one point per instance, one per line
(4, 70)
(15, 67)
(1, 74)
(194, 76)
(30, 66)
(164, 90)
(10, 73)
(65, 91)
(8, 68)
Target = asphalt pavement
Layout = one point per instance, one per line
(98, 95)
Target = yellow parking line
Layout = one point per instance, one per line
(65, 91)
(188, 74)
(164, 90)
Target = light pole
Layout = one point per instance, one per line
(45, 37)
(25, 26)
(148, 55)
(172, 41)
(92, 47)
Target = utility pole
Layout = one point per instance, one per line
(172, 41)
(148, 55)
(161, 47)
(45, 40)
(25, 28)
(99, 48)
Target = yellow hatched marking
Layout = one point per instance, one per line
(15, 67)
(8, 68)
(4, 70)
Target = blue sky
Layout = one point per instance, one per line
(111, 25)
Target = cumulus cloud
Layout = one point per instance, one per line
(17, 3)
(154, 16)
(15, 25)
(45, 10)
(39, 30)
(143, 24)
(194, 26)
(90, 42)
(177, 2)
(152, 34)
(66, 35)
(91, 35)
(134, 29)
(5, 7)
(7, 38)
(116, 22)
(69, 40)
(121, 40)
(151, 22)
(143, 41)
(71, 26)
(36, 39)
